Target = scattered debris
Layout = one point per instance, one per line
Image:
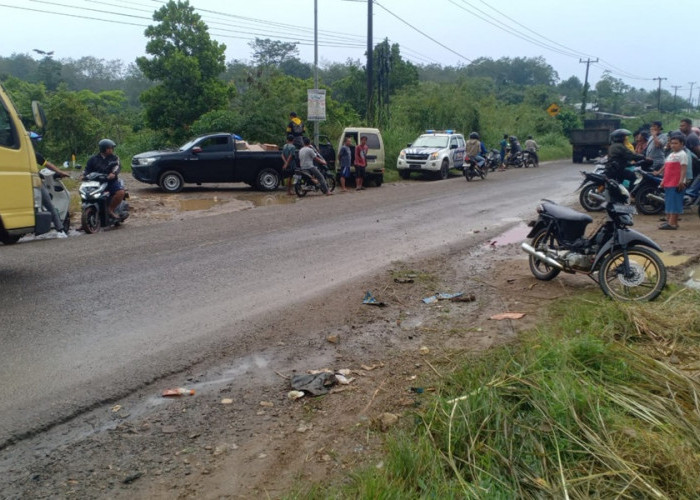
(417, 390)
(507, 315)
(371, 301)
(464, 298)
(369, 368)
(342, 380)
(116, 408)
(227, 401)
(344, 372)
(267, 404)
(442, 296)
(386, 420)
(403, 280)
(180, 391)
(305, 427)
(333, 339)
(424, 350)
(294, 395)
(315, 384)
(132, 477)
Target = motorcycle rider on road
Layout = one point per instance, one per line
(619, 157)
(106, 162)
(475, 149)
(515, 148)
(531, 146)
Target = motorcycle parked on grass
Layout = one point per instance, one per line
(95, 202)
(619, 259)
(303, 182)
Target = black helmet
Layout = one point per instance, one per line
(105, 144)
(473, 135)
(619, 135)
(512, 138)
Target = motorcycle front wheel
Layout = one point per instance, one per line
(539, 269)
(642, 280)
(587, 202)
(330, 181)
(299, 188)
(91, 220)
(468, 174)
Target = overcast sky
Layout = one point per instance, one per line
(637, 41)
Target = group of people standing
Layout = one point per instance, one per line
(299, 154)
(675, 156)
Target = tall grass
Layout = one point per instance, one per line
(581, 407)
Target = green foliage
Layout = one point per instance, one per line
(186, 63)
(71, 127)
(268, 52)
(22, 94)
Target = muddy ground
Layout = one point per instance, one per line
(240, 436)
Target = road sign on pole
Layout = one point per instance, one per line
(553, 109)
(316, 104)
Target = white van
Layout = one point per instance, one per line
(375, 154)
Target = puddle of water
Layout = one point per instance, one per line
(272, 199)
(198, 204)
(671, 260)
(515, 234)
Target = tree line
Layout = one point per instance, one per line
(184, 87)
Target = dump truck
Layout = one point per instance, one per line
(593, 139)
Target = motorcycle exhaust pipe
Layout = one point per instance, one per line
(547, 260)
(656, 197)
(597, 197)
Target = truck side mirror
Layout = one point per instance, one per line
(196, 149)
(408, 145)
(39, 115)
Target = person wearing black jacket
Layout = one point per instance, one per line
(106, 162)
(620, 156)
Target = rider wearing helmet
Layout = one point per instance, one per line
(475, 148)
(619, 157)
(106, 162)
(532, 146)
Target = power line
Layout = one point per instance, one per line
(421, 32)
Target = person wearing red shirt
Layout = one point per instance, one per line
(360, 163)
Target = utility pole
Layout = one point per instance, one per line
(690, 95)
(585, 84)
(658, 97)
(370, 65)
(316, 64)
(675, 91)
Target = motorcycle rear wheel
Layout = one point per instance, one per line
(587, 203)
(330, 181)
(646, 205)
(539, 269)
(90, 220)
(644, 282)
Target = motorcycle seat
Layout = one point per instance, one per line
(565, 213)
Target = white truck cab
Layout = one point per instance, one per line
(434, 151)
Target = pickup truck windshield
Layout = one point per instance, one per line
(431, 141)
(189, 145)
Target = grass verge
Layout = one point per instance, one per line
(602, 400)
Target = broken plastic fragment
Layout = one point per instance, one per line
(507, 315)
(180, 391)
(442, 296)
(371, 301)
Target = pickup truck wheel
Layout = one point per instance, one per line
(405, 174)
(171, 182)
(268, 180)
(444, 170)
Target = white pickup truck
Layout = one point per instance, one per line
(434, 151)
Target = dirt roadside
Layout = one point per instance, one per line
(261, 442)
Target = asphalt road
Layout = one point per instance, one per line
(91, 318)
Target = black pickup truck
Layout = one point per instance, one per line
(207, 159)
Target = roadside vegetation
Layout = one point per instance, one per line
(602, 400)
(184, 87)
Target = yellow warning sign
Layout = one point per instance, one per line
(553, 109)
